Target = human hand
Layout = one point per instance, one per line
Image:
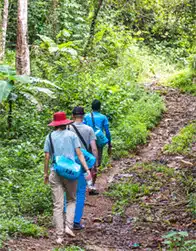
(88, 175)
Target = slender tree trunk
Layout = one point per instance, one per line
(4, 29)
(22, 48)
(92, 28)
(9, 118)
(54, 17)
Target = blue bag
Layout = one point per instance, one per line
(90, 159)
(65, 167)
(101, 138)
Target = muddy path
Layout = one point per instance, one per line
(165, 210)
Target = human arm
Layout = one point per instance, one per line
(108, 135)
(94, 151)
(47, 150)
(46, 167)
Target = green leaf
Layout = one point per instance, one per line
(183, 233)
(24, 79)
(6, 69)
(44, 90)
(5, 89)
(33, 100)
(44, 81)
(71, 51)
(99, 35)
(64, 33)
(48, 41)
(53, 49)
(65, 45)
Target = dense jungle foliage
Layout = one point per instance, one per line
(77, 56)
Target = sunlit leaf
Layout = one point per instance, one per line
(65, 45)
(24, 79)
(64, 33)
(71, 51)
(44, 90)
(6, 69)
(48, 41)
(5, 89)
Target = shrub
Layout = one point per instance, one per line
(182, 142)
(20, 226)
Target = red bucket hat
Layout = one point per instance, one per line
(59, 118)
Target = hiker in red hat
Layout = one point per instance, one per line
(66, 143)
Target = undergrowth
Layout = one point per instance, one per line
(71, 248)
(16, 226)
(148, 181)
(183, 141)
(185, 79)
(138, 181)
(176, 240)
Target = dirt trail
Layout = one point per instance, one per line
(107, 232)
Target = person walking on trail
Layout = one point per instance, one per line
(87, 139)
(101, 121)
(65, 143)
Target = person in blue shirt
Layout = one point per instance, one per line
(102, 122)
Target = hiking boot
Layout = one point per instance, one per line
(93, 192)
(69, 232)
(78, 226)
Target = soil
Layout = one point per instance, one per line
(166, 210)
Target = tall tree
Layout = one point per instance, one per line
(92, 27)
(22, 48)
(4, 20)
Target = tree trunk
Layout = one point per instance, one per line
(4, 29)
(54, 17)
(22, 48)
(92, 28)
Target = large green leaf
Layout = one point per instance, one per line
(33, 100)
(24, 79)
(71, 51)
(44, 81)
(7, 70)
(5, 89)
(44, 90)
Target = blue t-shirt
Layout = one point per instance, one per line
(101, 121)
(65, 142)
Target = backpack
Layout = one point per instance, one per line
(101, 138)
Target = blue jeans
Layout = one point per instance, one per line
(80, 198)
